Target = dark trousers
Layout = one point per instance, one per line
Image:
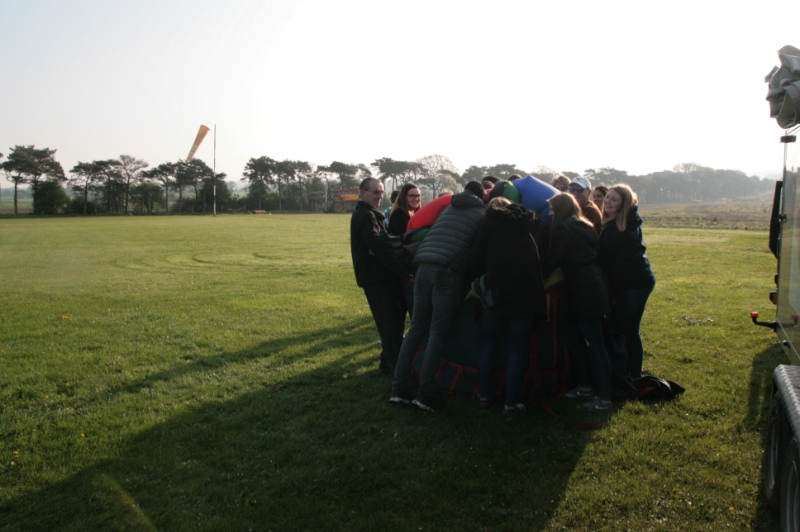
(387, 303)
(517, 328)
(437, 295)
(587, 348)
(408, 292)
(624, 320)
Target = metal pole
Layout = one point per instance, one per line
(215, 170)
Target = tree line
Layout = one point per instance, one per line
(127, 184)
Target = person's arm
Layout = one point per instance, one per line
(609, 248)
(398, 221)
(479, 251)
(379, 243)
(554, 257)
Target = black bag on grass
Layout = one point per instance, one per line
(650, 388)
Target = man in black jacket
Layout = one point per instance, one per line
(378, 271)
(443, 259)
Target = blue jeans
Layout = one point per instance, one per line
(517, 327)
(437, 295)
(624, 320)
(587, 347)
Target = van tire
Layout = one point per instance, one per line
(778, 436)
(790, 488)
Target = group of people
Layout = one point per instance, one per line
(593, 236)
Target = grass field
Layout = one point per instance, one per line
(750, 214)
(198, 373)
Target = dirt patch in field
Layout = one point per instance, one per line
(750, 214)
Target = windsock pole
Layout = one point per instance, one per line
(215, 170)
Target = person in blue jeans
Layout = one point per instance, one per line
(573, 248)
(630, 278)
(507, 257)
(443, 260)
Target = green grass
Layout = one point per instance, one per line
(750, 215)
(192, 373)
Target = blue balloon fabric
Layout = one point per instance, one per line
(535, 194)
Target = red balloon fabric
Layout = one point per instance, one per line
(429, 212)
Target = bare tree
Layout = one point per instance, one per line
(686, 168)
(544, 173)
(434, 171)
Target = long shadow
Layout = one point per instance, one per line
(323, 451)
(317, 342)
(757, 419)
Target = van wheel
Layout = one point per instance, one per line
(778, 435)
(790, 489)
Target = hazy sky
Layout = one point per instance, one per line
(639, 86)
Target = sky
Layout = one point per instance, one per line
(637, 86)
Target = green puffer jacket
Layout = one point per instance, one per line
(450, 241)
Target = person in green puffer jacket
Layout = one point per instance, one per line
(443, 259)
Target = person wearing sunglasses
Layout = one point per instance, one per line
(581, 190)
(560, 182)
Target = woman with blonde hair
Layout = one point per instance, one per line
(630, 278)
(407, 203)
(573, 248)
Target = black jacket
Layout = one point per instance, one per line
(450, 241)
(374, 261)
(398, 222)
(573, 248)
(623, 257)
(506, 252)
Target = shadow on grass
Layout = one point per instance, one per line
(317, 341)
(758, 403)
(324, 450)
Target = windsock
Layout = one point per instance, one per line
(201, 134)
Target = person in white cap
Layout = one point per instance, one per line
(581, 189)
